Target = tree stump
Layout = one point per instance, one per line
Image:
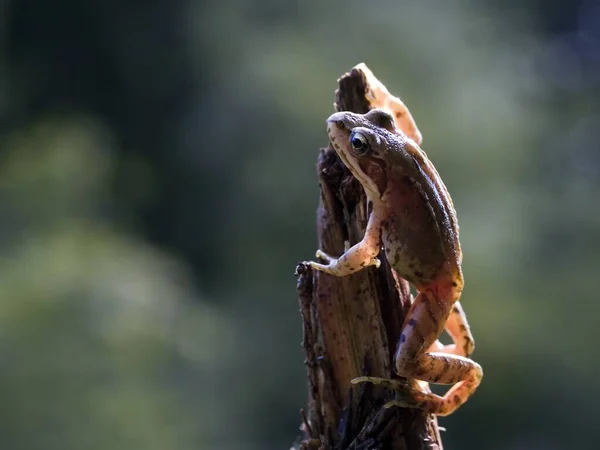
(351, 324)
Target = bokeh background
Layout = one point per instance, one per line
(157, 188)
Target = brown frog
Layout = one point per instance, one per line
(413, 217)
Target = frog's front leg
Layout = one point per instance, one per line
(424, 323)
(358, 256)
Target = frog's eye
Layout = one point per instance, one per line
(359, 144)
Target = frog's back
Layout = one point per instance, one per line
(421, 232)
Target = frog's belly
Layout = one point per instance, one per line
(415, 259)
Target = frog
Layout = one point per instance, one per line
(413, 218)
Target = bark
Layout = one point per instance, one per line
(351, 324)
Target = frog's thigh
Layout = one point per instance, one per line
(404, 119)
(458, 329)
(357, 257)
(421, 331)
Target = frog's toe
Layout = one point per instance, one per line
(395, 385)
(375, 262)
(321, 254)
(400, 403)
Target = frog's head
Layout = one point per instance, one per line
(363, 142)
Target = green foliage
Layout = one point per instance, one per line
(92, 318)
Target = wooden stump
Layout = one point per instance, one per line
(351, 324)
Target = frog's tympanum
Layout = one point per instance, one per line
(413, 217)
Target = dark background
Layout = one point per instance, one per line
(157, 189)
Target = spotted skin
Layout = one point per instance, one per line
(413, 218)
(379, 97)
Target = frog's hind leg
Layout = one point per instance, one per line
(460, 332)
(426, 318)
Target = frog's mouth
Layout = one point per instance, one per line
(339, 135)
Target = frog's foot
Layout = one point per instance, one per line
(343, 265)
(331, 260)
(394, 385)
(405, 394)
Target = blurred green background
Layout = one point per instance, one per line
(158, 187)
